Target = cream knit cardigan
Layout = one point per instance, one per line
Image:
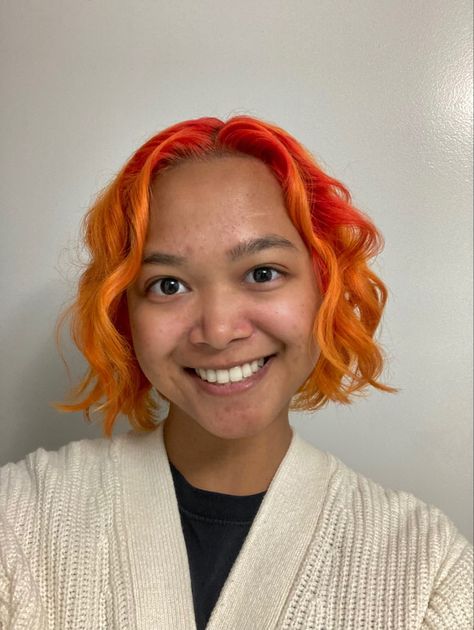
(91, 539)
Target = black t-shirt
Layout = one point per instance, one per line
(215, 526)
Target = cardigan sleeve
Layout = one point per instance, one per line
(20, 602)
(451, 604)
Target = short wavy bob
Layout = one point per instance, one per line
(341, 239)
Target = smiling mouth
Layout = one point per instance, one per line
(232, 375)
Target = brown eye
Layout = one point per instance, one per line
(165, 286)
(264, 274)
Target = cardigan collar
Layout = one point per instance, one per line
(268, 562)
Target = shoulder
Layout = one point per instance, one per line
(61, 460)
(56, 508)
(387, 512)
(57, 496)
(404, 532)
(399, 547)
(68, 468)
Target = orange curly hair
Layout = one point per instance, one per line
(341, 238)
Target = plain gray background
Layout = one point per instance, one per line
(379, 90)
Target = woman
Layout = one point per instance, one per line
(228, 275)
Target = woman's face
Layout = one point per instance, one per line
(226, 281)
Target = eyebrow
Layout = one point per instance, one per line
(245, 248)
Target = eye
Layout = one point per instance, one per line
(166, 286)
(264, 274)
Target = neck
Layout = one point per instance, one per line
(241, 466)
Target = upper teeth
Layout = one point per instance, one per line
(234, 374)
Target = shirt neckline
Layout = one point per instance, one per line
(216, 506)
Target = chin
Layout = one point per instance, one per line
(240, 426)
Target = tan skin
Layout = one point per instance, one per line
(215, 311)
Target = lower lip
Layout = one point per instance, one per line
(227, 389)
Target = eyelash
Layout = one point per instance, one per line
(157, 281)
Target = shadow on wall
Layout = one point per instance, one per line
(33, 375)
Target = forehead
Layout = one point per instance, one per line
(217, 201)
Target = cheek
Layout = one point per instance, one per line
(153, 338)
(292, 321)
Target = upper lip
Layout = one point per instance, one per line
(227, 366)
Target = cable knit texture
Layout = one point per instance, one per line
(90, 539)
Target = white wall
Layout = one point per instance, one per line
(378, 90)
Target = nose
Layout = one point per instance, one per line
(221, 317)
